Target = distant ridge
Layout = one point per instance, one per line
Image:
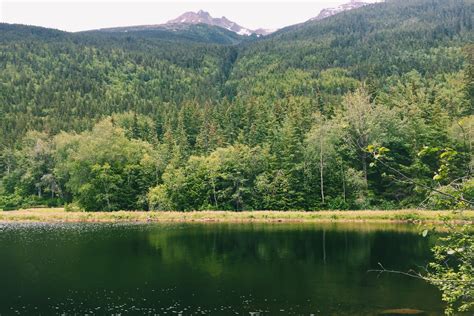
(203, 17)
(194, 18)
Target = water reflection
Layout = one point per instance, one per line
(217, 269)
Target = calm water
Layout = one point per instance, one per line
(210, 269)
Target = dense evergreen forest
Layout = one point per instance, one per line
(371, 108)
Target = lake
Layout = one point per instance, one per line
(211, 269)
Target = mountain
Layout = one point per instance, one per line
(257, 98)
(197, 33)
(100, 72)
(18, 32)
(325, 13)
(188, 19)
(372, 44)
(203, 17)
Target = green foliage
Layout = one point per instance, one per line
(106, 170)
(197, 119)
(456, 196)
(72, 207)
(158, 199)
(453, 269)
(225, 180)
(10, 201)
(367, 109)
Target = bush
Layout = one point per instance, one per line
(387, 205)
(158, 199)
(337, 203)
(452, 271)
(460, 192)
(72, 207)
(10, 202)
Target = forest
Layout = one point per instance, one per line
(368, 109)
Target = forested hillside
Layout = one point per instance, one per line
(371, 108)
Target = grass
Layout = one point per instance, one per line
(408, 216)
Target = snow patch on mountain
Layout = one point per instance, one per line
(325, 13)
(203, 17)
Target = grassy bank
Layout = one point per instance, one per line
(59, 215)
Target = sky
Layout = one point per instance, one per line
(80, 15)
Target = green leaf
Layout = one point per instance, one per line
(425, 233)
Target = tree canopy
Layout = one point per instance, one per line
(204, 119)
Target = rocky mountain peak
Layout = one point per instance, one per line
(325, 13)
(205, 18)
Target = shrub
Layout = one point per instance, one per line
(72, 207)
(337, 203)
(158, 199)
(10, 202)
(460, 194)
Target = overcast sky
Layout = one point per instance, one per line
(77, 15)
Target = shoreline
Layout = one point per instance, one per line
(58, 215)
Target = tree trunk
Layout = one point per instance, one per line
(321, 166)
(343, 183)
(214, 193)
(364, 168)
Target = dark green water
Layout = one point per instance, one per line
(212, 269)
